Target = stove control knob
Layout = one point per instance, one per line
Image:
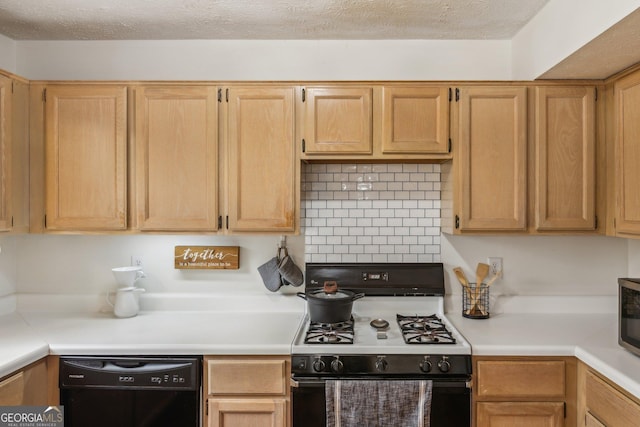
(425, 365)
(381, 364)
(318, 365)
(444, 365)
(337, 366)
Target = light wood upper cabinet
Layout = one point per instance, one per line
(491, 179)
(338, 120)
(176, 158)
(263, 175)
(565, 149)
(627, 154)
(415, 119)
(85, 157)
(5, 153)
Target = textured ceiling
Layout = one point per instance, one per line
(264, 19)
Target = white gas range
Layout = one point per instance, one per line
(398, 331)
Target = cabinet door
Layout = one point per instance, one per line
(85, 151)
(493, 146)
(176, 158)
(608, 405)
(521, 414)
(261, 159)
(247, 413)
(5, 153)
(627, 155)
(415, 119)
(338, 120)
(565, 158)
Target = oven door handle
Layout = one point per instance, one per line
(320, 382)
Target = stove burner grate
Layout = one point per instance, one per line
(330, 333)
(424, 330)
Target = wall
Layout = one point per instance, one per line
(266, 60)
(560, 29)
(81, 264)
(7, 54)
(371, 212)
(8, 267)
(634, 258)
(541, 265)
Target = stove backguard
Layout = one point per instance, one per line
(379, 279)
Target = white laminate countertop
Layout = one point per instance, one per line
(268, 327)
(592, 338)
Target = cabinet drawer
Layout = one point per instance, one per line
(521, 379)
(247, 377)
(610, 406)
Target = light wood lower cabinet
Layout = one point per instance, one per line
(524, 391)
(28, 386)
(247, 391)
(601, 403)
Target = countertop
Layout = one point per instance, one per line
(592, 338)
(268, 327)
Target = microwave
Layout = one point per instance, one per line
(629, 314)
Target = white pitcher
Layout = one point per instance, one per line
(128, 276)
(127, 301)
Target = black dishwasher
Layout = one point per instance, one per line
(149, 391)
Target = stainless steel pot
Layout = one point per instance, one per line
(329, 305)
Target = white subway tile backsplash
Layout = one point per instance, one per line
(371, 212)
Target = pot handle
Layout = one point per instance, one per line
(302, 295)
(357, 296)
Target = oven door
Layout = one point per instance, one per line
(450, 402)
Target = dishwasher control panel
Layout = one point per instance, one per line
(167, 373)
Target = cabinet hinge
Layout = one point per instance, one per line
(45, 221)
(596, 93)
(596, 222)
(227, 222)
(457, 222)
(206, 408)
(565, 409)
(227, 94)
(44, 95)
(457, 94)
(304, 94)
(449, 144)
(12, 84)
(219, 95)
(450, 94)
(219, 222)
(614, 223)
(12, 222)
(304, 145)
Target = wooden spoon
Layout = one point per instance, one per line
(462, 278)
(482, 270)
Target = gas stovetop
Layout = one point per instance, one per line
(406, 298)
(409, 330)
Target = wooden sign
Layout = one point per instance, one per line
(207, 257)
